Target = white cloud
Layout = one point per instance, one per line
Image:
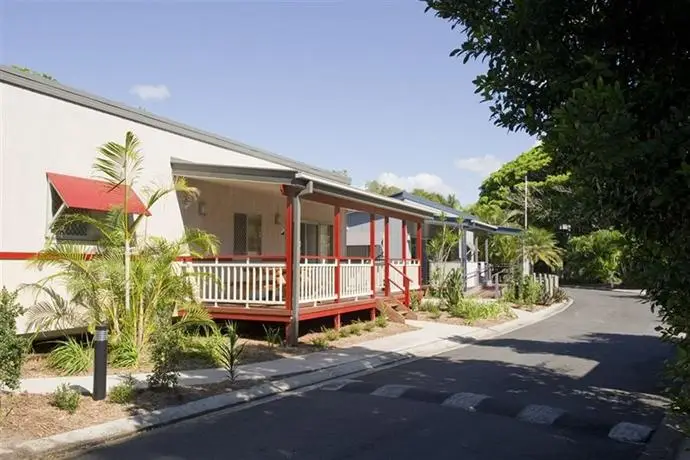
(482, 166)
(428, 182)
(151, 92)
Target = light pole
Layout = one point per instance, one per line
(100, 365)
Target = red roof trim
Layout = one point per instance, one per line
(95, 195)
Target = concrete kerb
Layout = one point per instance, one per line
(124, 427)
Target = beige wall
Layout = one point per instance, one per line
(223, 199)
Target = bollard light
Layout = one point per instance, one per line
(100, 365)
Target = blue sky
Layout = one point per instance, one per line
(360, 85)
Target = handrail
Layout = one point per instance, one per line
(406, 282)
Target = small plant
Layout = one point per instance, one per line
(415, 301)
(66, 398)
(434, 311)
(473, 310)
(273, 336)
(13, 349)
(231, 352)
(355, 328)
(71, 357)
(124, 353)
(124, 392)
(166, 353)
(320, 342)
(368, 326)
(330, 334)
(381, 321)
(344, 332)
(451, 289)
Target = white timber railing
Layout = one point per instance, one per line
(355, 278)
(237, 282)
(317, 280)
(255, 282)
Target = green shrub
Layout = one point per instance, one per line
(205, 348)
(330, 334)
(381, 321)
(166, 355)
(355, 328)
(415, 301)
(523, 290)
(71, 356)
(273, 336)
(123, 353)
(473, 310)
(368, 326)
(231, 352)
(320, 342)
(344, 332)
(13, 349)
(451, 290)
(124, 392)
(66, 398)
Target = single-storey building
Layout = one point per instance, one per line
(404, 241)
(281, 223)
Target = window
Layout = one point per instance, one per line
(78, 231)
(316, 239)
(247, 234)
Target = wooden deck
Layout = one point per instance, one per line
(280, 314)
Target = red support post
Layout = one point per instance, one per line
(288, 253)
(336, 249)
(403, 239)
(386, 256)
(419, 247)
(372, 252)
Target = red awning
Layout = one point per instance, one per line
(94, 195)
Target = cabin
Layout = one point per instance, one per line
(404, 242)
(281, 223)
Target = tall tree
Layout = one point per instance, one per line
(606, 86)
(33, 72)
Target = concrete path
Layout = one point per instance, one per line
(580, 385)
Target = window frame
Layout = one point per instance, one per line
(249, 219)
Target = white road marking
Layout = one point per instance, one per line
(338, 384)
(540, 415)
(630, 432)
(391, 391)
(467, 401)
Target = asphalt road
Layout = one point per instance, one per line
(582, 371)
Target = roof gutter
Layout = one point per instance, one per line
(362, 196)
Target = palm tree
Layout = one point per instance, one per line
(541, 245)
(132, 297)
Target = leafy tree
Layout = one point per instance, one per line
(133, 284)
(12, 347)
(605, 86)
(33, 72)
(375, 186)
(541, 246)
(596, 257)
(388, 190)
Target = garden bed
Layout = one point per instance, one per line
(37, 365)
(31, 416)
(474, 312)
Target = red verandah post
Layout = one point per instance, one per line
(336, 250)
(386, 256)
(288, 252)
(372, 252)
(419, 248)
(403, 240)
